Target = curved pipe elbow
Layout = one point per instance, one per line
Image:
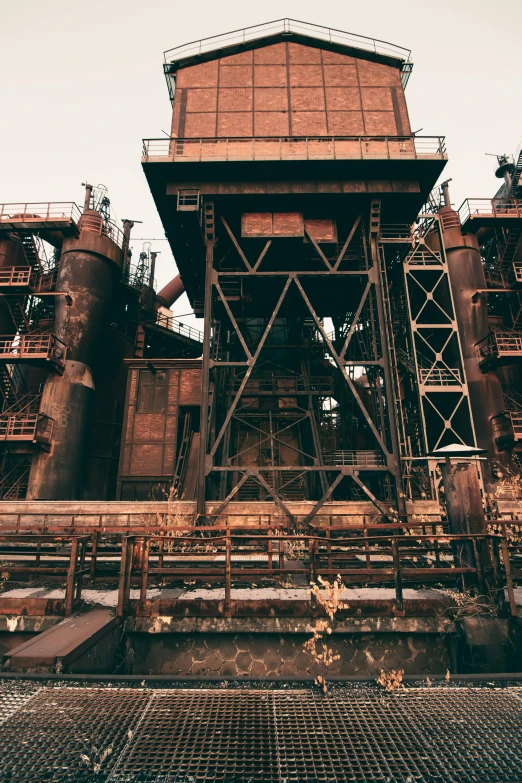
(170, 293)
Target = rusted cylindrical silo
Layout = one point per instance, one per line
(88, 268)
(466, 273)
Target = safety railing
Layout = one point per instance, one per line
(31, 347)
(286, 385)
(440, 376)
(295, 148)
(371, 556)
(173, 325)
(40, 212)
(490, 207)
(16, 276)
(246, 34)
(32, 427)
(499, 344)
(368, 459)
(42, 557)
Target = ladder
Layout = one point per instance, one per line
(181, 463)
(139, 345)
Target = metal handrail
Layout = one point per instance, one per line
(17, 276)
(173, 325)
(26, 426)
(44, 564)
(490, 207)
(295, 148)
(41, 211)
(21, 346)
(286, 25)
(379, 558)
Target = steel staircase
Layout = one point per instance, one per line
(507, 256)
(31, 250)
(517, 173)
(12, 385)
(14, 483)
(15, 305)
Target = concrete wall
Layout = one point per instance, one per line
(261, 654)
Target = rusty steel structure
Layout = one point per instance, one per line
(354, 322)
(288, 192)
(72, 307)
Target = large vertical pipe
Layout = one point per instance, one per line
(466, 273)
(88, 267)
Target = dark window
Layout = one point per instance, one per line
(152, 392)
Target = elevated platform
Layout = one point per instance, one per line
(62, 217)
(479, 213)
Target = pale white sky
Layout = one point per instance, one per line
(82, 84)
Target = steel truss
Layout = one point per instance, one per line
(271, 367)
(434, 339)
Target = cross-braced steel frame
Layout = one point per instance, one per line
(291, 409)
(437, 355)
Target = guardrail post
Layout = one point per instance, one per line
(313, 569)
(509, 580)
(398, 576)
(479, 567)
(94, 553)
(228, 575)
(69, 584)
(124, 583)
(144, 572)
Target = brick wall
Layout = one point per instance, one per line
(289, 89)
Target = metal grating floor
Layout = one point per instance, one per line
(419, 735)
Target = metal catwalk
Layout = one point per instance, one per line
(354, 733)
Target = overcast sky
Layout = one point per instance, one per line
(82, 84)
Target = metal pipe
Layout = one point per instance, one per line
(446, 193)
(170, 293)
(152, 267)
(88, 194)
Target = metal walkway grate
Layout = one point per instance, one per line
(419, 735)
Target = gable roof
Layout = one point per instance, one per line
(288, 30)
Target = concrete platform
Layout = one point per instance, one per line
(57, 648)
